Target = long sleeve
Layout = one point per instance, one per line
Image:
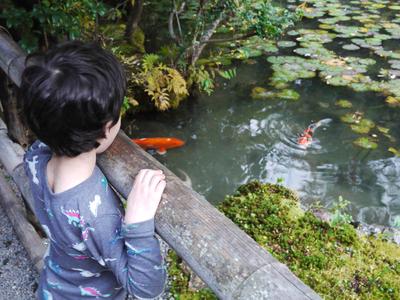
(131, 252)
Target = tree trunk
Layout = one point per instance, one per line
(17, 129)
(135, 13)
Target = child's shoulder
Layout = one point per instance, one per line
(98, 198)
(38, 148)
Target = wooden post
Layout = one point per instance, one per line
(232, 264)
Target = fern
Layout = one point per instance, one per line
(228, 74)
(165, 85)
(149, 61)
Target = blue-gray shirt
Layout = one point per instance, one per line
(92, 253)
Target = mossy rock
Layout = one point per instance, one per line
(179, 278)
(333, 260)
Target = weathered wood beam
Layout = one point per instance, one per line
(15, 211)
(232, 264)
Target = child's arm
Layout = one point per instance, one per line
(132, 251)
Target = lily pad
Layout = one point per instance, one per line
(351, 118)
(364, 126)
(394, 151)
(288, 94)
(259, 93)
(383, 129)
(350, 47)
(344, 103)
(393, 101)
(366, 143)
(286, 44)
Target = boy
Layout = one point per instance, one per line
(72, 97)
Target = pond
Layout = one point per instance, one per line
(342, 67)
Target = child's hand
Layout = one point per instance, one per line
(145, 196)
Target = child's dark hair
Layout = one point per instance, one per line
(69, 93)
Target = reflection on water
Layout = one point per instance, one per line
(231, 139)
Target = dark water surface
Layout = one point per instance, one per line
(232, 139)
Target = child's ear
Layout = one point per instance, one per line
(107, 128)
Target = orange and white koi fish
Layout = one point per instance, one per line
(160, 144)
(305, 139)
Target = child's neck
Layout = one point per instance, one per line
(64, 172)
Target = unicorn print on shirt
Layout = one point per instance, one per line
(32, 168)
(94, 205)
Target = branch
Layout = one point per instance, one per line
(135, 13)
(175, 13)
(233, 38)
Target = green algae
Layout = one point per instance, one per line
(333, 260)
(180, 277)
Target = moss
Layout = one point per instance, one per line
(179, 279)
(333, 260)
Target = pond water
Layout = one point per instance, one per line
(232, 138)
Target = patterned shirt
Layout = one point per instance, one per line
(92, 254)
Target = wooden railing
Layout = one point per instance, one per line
(231, 263)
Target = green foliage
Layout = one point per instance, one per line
(339, 216)
(262, 17)
(163, 84)
(202, 78)
(55, 18)
(180, 277)
(227, 74)
(331, 258)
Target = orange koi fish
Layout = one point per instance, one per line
(160, 144)
(305, 139)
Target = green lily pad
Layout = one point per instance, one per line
(325, 26)
(393, 101)
(350, 118)
(350, 47)
(383, 129)
(344, 103)
(259, 93)
(288, 94)
(293, 33)
(286, 44)
(394, 151)
(364, 126)
(366, 143)
(395, 64)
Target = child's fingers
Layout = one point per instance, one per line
(155, 179)
(141, 174)
(149, 174)
(160, 187)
